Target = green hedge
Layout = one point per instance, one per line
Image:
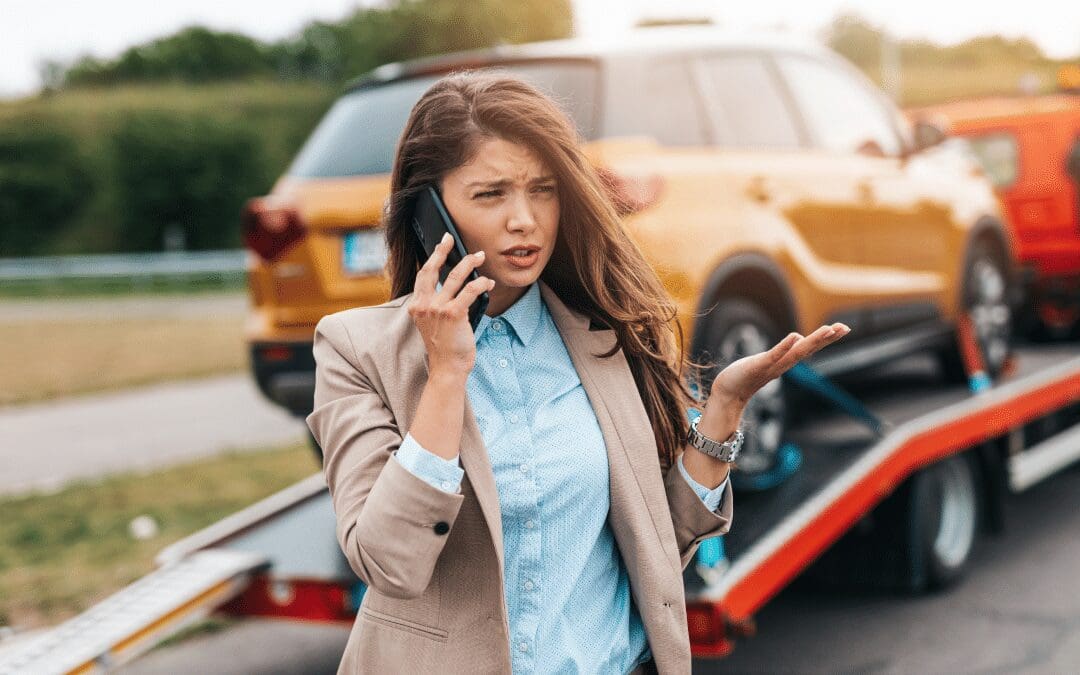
(44, 182)
(102, 170)
(187, 173)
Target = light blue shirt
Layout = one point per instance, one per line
(567, 589)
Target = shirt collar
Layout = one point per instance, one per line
(523, 316)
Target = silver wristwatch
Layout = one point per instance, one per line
(725, 452)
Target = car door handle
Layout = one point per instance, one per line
(758, 189)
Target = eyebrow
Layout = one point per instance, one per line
(506, 181)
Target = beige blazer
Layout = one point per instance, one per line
(433, 560)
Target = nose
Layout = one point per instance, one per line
(521, 217)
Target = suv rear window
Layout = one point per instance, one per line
(359, 134)
(749, 109)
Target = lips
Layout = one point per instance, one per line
(523, 249)
(522, 256)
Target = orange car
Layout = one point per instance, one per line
(1030, 148)
(771, 185)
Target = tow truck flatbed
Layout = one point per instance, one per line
(847, 470)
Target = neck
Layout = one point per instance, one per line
(500, 299)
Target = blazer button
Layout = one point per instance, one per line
(442, 527)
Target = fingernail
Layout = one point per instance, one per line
(479, 254)
(445, 237)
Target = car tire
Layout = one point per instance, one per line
(943, 518)
(736, 328)
(985, 297)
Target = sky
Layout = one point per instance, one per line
(34, 30)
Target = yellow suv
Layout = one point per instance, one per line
(770, 184)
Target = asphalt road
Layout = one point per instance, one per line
(1017, 611)
(45, 445)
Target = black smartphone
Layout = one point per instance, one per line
(430, 221)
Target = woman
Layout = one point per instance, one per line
(522, 497)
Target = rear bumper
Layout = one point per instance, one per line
(285, 374)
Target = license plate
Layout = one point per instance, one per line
(364, 252)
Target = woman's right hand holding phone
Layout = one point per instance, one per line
(442, 315)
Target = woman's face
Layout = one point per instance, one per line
(505, 200)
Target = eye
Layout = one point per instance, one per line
(487, 193)
(545, 188)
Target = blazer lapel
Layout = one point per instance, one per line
(634, 463)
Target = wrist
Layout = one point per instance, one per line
(446, 376)
(720, 419)
(705, 469)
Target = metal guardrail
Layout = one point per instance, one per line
(123, 265)
(134, 270)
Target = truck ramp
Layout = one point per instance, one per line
(135, 618)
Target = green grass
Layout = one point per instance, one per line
(60, 553)
(91, 110)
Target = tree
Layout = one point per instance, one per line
(855, 39)
(333, 52)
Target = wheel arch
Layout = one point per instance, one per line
(752, 276)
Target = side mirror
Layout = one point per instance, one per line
(927, 135)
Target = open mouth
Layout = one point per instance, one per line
(522, 256)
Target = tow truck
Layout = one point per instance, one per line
(878, 491)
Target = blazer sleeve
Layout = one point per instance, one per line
(693, 520)
(391, 524)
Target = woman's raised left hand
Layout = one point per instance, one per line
(738, 382)
(741, 379)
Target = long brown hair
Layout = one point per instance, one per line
(595, 267)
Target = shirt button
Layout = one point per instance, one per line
(513, 418)
(524, 646)
(446, 485)
(524, 468)
(529, 524)
(528, 585)
(503, 363)
(497, 326)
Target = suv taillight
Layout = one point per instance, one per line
(631, 194)
(269, 227)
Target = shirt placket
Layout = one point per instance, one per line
(525, 612)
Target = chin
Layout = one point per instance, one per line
(518, 278)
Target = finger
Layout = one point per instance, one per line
(839, 331)
(472, 291)
(821, 337)
(761, 367)
(457, 276)
(765, 362)
(762, 363)
(784, 346)
(428, 276)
